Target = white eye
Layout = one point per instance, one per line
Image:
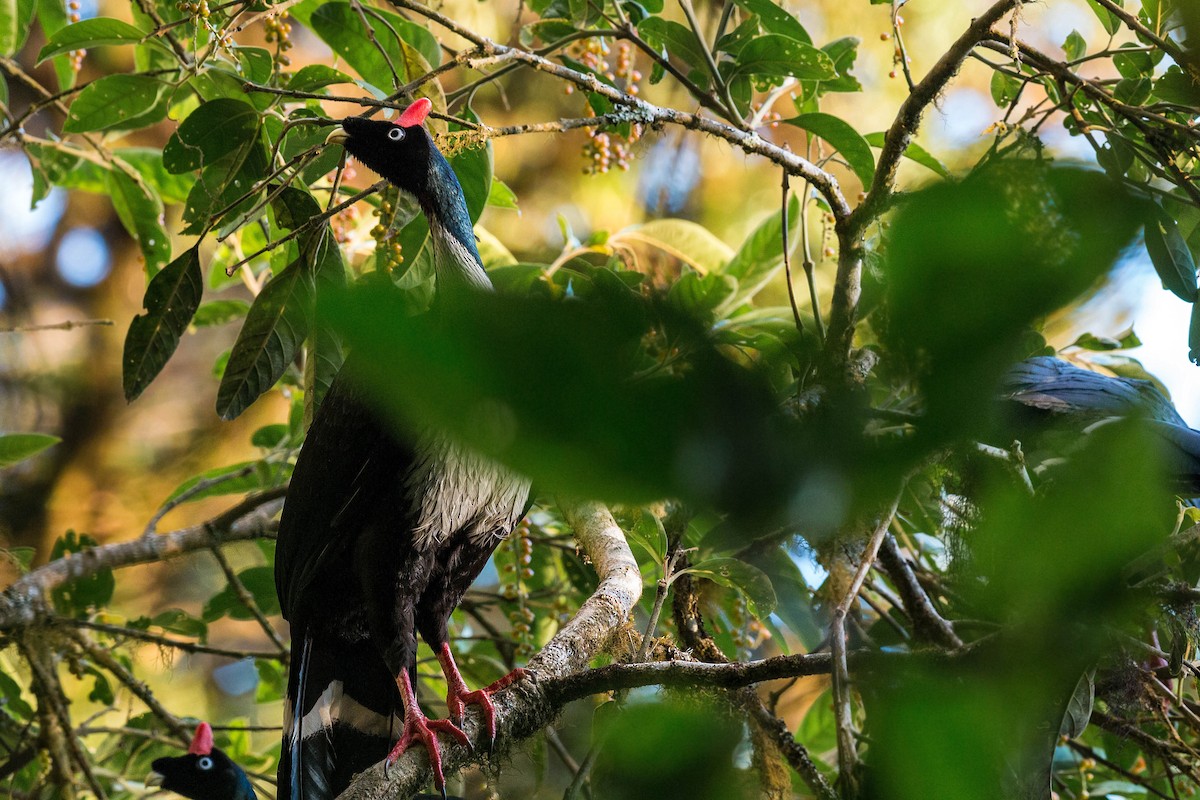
(205, 763)
(396, 134)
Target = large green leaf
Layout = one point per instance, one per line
(171, 299)
(677, 40)
(381, 62)
(16, 20)
(775, 55)
(91, 33)
(692, 244)
(761, 255)
(775, 19)
(16, 447)
(1170, 255)
(141, 212)
(913, 152)
(116, 102)
(847, 141)
(275, 328)
(745, 578)
(214, 130)
(552, 388)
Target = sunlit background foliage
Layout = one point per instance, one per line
(642, 343)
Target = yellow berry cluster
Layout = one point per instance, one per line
(199, 8)
(606, 149)
(520, 569)
(278, 30)
(388, 252)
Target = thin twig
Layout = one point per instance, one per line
(248, 600)
(69, 325)
(843, 714)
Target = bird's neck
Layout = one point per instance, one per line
(456, 258)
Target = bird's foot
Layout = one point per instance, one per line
(458, 697)
(419, 728)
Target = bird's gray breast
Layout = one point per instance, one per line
(453, 488)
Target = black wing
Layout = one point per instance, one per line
(1051, 384)
(350, 459)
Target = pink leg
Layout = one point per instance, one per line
(457, 694)
(418, 727)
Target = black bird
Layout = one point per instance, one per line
(383, 532)
(205, 773)
(1049, 389)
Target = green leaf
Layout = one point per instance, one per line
(275, 327)
(116, 102)
(1074, 47)
(215, 129)
(675, 39)
(1133, 63)
(692, 244)
(736, 574)
(171, 299)
(1176, 86)
(1079, 707)
(52, 17)
(1004, 88)
(269, 437)
(914, 152)
(16, 20)
(500, 196)
(141, 212)
(650, 534)
(220, 312)
(1194, 333)
(701, 295)
(82, 595)
(844, 53)
(91, 33)
(16, 447)
(1170, 255)
(247, 476)
(774, 19)
(259, 582)
(778, 56)
(341, 27)
(1109, 20)
(603, 431)
(761, 255)
(316, 76)
(842, 136)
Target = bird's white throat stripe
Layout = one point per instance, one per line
(454, 263)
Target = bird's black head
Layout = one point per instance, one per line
(400, 151)
(403, 153)
(205, 773)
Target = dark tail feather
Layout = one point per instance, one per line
(341, 717)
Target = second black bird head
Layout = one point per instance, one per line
(205, 773)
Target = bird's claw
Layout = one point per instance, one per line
(418, 727)
(456, 702)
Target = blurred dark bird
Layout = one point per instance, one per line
(382, 532)
(205, 773)
(1051, 390)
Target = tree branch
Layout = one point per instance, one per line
(27, 600)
